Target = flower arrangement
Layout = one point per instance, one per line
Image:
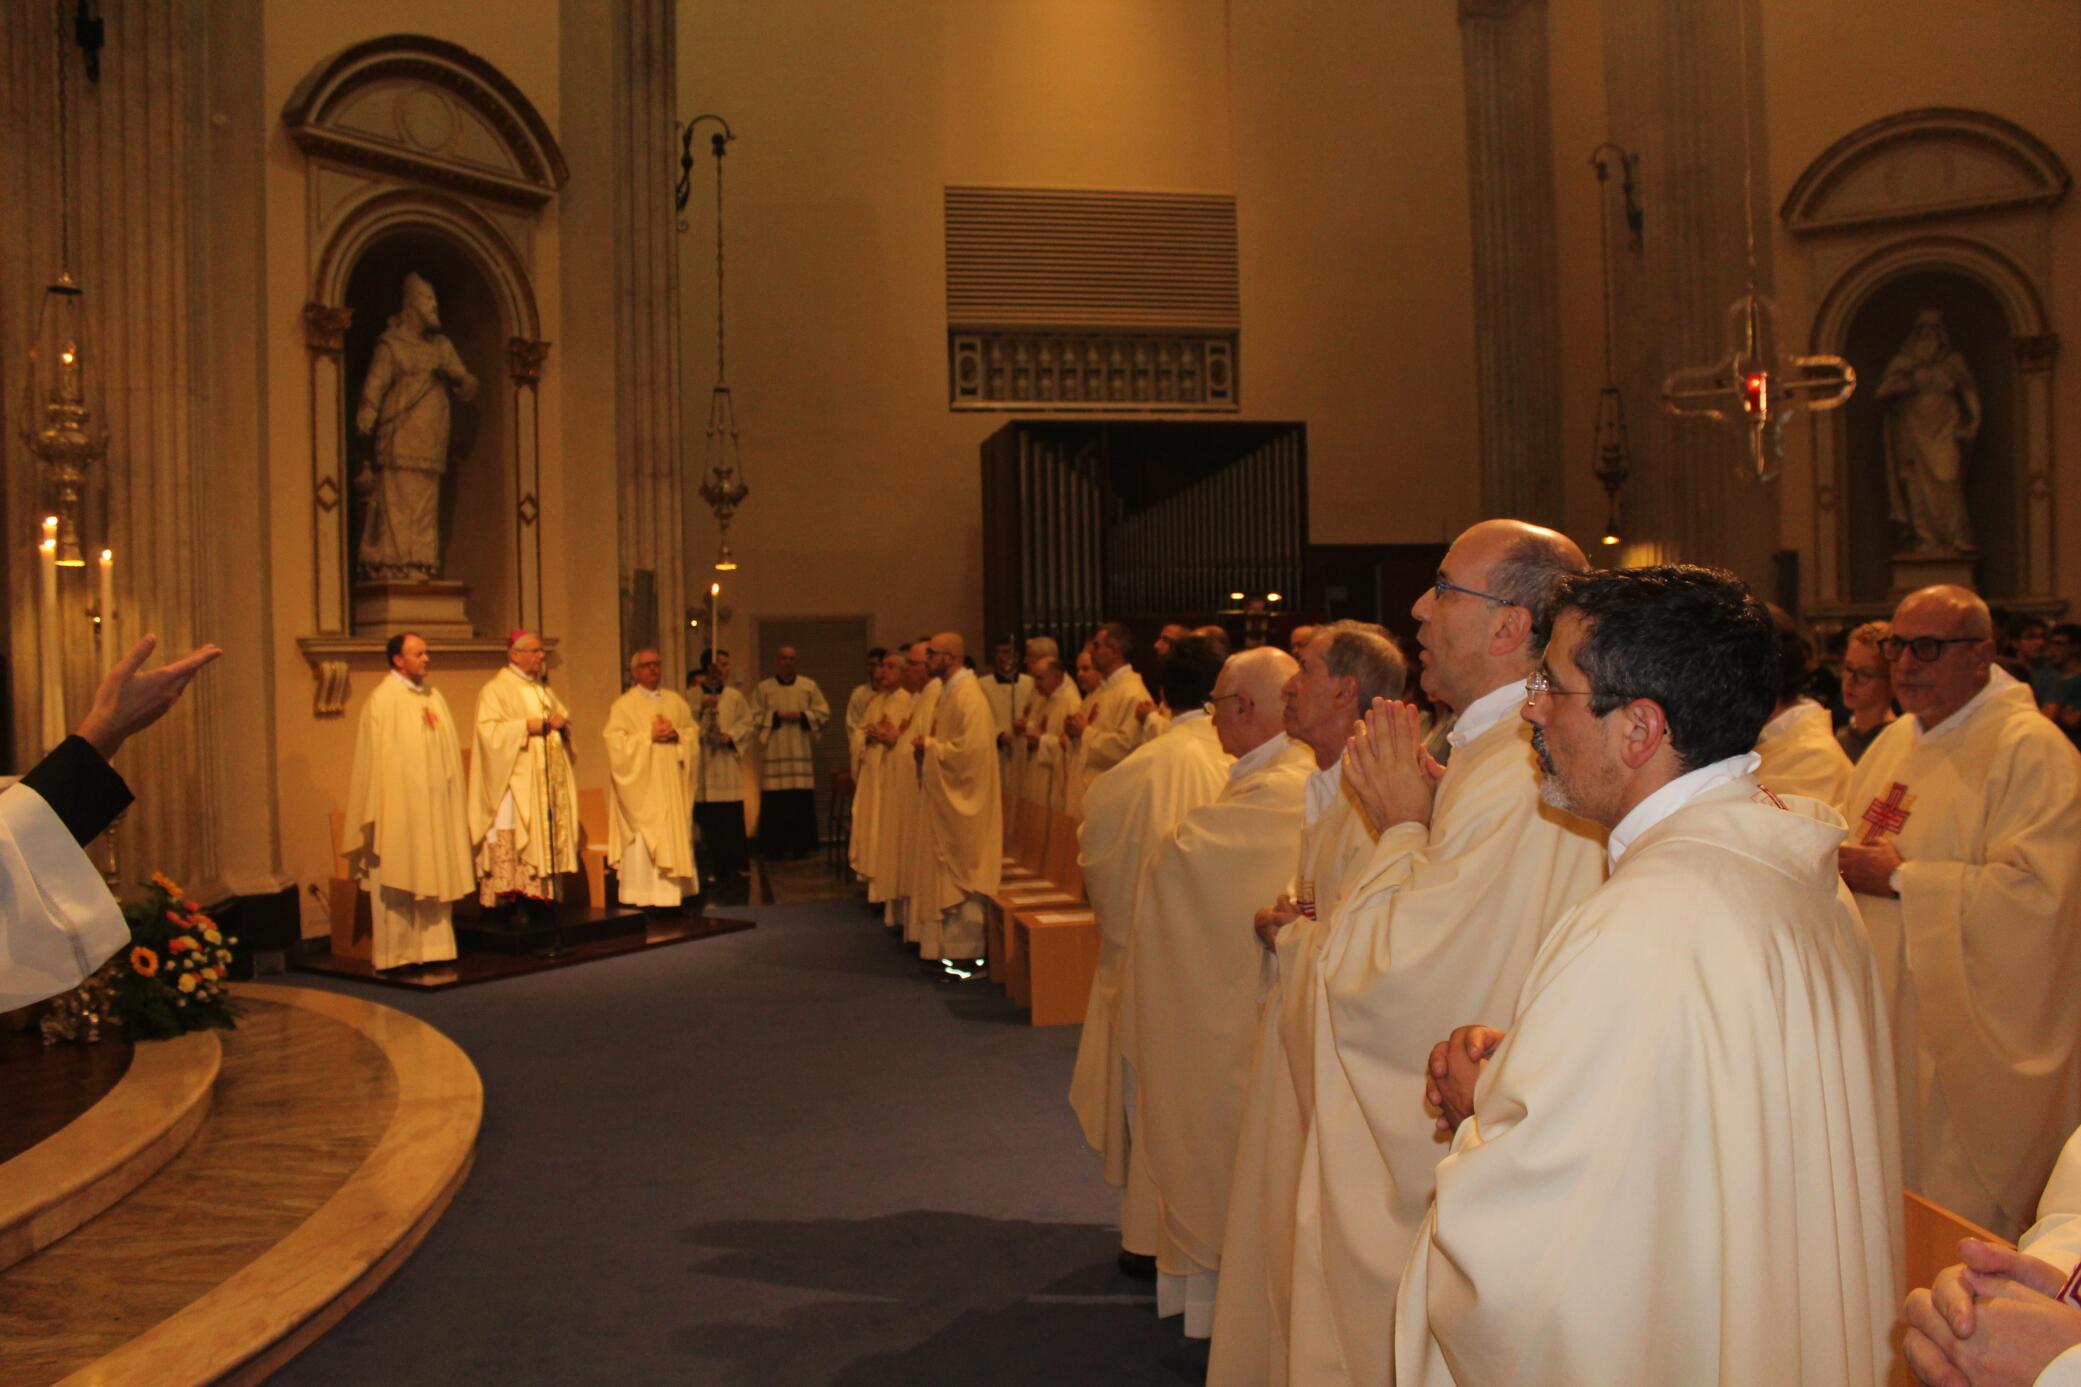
(170, 980)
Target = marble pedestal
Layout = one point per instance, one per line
(1914, 571)
(435, 610)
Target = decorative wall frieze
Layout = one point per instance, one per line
(1014, 369)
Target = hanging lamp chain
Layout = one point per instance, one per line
(64, 140)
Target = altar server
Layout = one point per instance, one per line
(725, 718)
(1798, 746)
(653, 761)
(1189, 1007)
(790, 712)
(1438, 925)
(889, 706)
(1965, 854)
(964, 809)
(58, 922)
(1682, 1161)
(407, 826)
(1127, 816)
(523, 787)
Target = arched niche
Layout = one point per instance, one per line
(421, 156)
(1948, 209)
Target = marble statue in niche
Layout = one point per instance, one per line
(1932, 417)
(405, 410)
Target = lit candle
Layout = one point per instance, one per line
(68, 373)
(50, 657)
(110, 650)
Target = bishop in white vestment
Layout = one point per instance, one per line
(1965, 818)
(653, 759)
(407, 827)
(523, 789)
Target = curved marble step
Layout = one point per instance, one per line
(111, 1148)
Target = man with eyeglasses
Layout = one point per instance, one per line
(523, 785)
(1965, 855)
(1680, 1164)
(1435, 926)
(653, 762)
(1190, 993)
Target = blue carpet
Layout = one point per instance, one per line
(778, 1156)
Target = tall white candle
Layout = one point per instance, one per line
(111, 648)
(50, 655)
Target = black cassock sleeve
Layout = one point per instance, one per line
(82, 789)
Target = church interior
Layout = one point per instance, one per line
(692, 328)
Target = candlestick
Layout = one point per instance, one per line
(50, 639)
(111, 648)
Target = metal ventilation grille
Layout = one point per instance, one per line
(1048, 258)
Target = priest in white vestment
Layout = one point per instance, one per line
(58, 922)
(1190, 997)
(1965, 854)
(727, 733)
(1049, 752)
(1007, 687)
(916, 846)
(790, 712)
(1437, 925)
(1343, 669)
(407, 825)
(1681, 1164)
(653, 761)
(856, 704)
(877, 731)
(896, 814)
(964, 810)
(1110, 729)
(1800, 753)
(1127, 816)
(523, 787)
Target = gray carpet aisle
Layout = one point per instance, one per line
(780, 1156)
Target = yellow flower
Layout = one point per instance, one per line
(187, 983)
(212, 974)
(209, 932)
(143, 961)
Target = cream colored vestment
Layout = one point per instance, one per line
(1190, 995)
(1682, 1164)
(1981, 951)
(1111, 730)
(1127, 817)
(650, 798)
(916, 835)
(540, 778)
(964, 818)
(871, 788)
(1801, 755)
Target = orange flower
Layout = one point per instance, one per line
(143, 961)
(167, 884)
(177, 944)
(173, 918)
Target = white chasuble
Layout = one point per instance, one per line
(651, 797)
(725, 720)
(522, 781)
(1801, 755)
(870, 789)
(1111, 730)
(1981, 951)
(1189, 1002)
(1682, 1165)
(407, 802)
(58, 922)
(1257, 1252)
(1051, 760)
(1127, 817)
(1006, 697)
(790, 746)
(964, 809)
(857, 717)
(916, 836)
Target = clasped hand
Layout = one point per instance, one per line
(1993, 1321)
(1455, 1068)
(1388, 767)
(1272, 919)
(1868, 867)
(662, 730)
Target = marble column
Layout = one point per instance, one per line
(1516, 271)
(167, 143)
(1678, 97)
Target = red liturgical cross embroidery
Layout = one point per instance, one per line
(428, 714)
(1888, 814)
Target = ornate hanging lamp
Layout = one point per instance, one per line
(722, 484)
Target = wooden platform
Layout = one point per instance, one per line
(492, 966)
(338, 1132)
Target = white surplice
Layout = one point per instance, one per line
(1126, 818)
(1189, 1003)
(1682, 1165)
(1981, 951)
(58, 922)
(1801, 755)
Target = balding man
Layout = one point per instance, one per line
(1965, 854)
(523, 790)
(1442, 919)
(1800, 753)
(653, 758)
(964, 813)
(1189, 998)
(790, 711)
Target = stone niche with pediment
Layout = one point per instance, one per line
(1948, 211)
(421, 157)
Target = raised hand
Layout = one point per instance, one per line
(131, 699)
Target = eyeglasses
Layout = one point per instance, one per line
(1854, 675)
(1442, 585)
(1928, 649)
(1210, 708)
(1541, 682)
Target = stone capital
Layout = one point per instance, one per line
(325, 327)
(524, 360)
(2036, 353)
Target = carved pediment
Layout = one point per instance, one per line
(1923, 165)
(424, 109)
